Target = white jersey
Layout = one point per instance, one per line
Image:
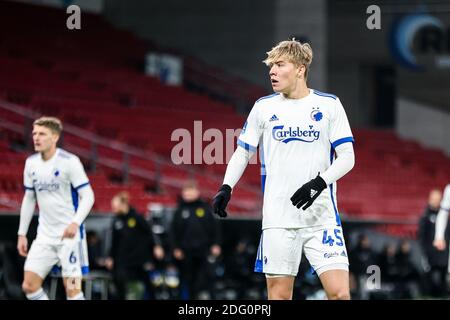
(55, 183)
(297, 138)
(442, 217)
(445, 202)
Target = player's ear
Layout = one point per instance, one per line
(55, 137)
(301, 71)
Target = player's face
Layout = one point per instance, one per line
(43, 139)
(435, 198)
(284, 76)
(190, 194)
(117, 206)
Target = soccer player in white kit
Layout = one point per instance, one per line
(56, 180)
(299, 131)
(441, 221)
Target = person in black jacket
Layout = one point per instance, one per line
(131, 249)
(437, 261)
(407, 273)
(196, 241)
(361, 258)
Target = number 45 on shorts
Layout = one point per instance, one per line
(328, 239)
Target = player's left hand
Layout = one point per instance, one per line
(158, 252)
(439, 244)
(220, 201)
(216, 250)
(310, 191)
(70, 231)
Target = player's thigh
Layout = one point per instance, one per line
(325, 249)
(279, 287)
(279, 252)
(31, 281)
(336, 283)
(40, 259)
(69, 257)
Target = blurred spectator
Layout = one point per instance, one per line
(360, 258)
(399, 276)
(442, 220)
(388, 264)
(96, 259)
(131, 250)
(240, 266)
(195, 237)
(436, 261)
(407, 273)
(11, 275)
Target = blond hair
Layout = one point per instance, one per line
(296, 52)
(54, 124)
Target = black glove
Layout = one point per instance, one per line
(308, 192)
(221, 200)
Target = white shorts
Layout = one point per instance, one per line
(43, 256)
(280, 250)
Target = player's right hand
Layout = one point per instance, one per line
(158, 252)
(221, 199)
(439, 244)
(22, 245)
(178, 254)
(109, 263)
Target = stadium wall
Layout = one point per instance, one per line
(307, 21)
(424, 123)
(234, 36)
(357, 56)
(95, 6)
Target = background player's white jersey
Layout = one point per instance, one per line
(445, 202)
(55, 183)
(296, 139)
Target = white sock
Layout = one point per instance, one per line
(37, 295)
(79, 296)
